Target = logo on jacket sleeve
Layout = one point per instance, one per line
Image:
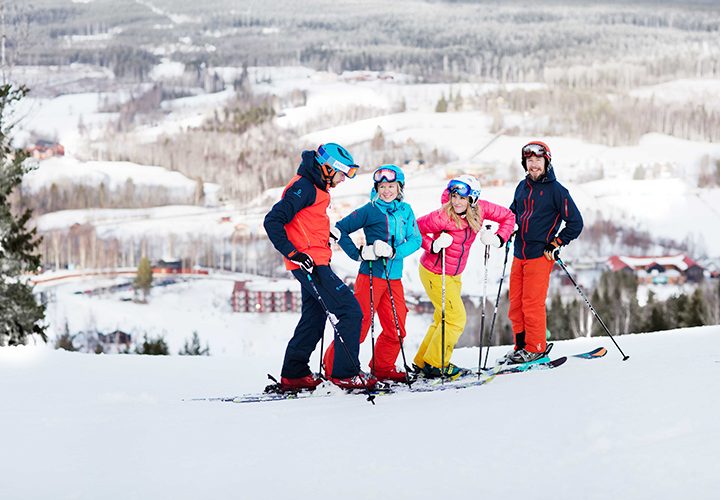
(298, 192)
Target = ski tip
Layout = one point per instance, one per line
(595, 353)
(557, 362)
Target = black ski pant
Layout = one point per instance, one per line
(341, 302)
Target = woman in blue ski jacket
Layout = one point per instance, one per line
(391, 234)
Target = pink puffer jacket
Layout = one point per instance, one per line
(456, 255)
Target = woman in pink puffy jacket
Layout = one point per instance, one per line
(453, 227)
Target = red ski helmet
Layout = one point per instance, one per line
(535, 148)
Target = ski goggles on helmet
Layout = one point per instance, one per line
(324, 158)
(385, 175)
(533, 149)
(459, 187)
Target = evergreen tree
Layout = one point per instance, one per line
(598, 302)
(154, 347)
(555, 316)
(657, 319)
(20, 313)
(144, 277)
(64, 341)
(442, 105)
(193, 348)
(697, 310)
(559, 319)
(679, 308)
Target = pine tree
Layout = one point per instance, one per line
(153, 347)
(194, 348)
(697, 309)
(144, 277)
(20, 313)
(657, 320)
(679, 307)
(442, 105)
(64, 341)
(555, 315)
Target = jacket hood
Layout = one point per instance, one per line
(309, 169)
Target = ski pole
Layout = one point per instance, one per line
(322, 350)
(372, 318)
(484, 295)
(442, 321)
(333, 321)
(397, 323)
(497, 300)
(592, 309)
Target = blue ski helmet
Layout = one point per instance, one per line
(335, 158)
(389, 173)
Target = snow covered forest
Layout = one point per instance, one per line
(206, 114)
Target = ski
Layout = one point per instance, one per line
(595, 353)
(532, 366)
(548, 364)
(327, 390)
(462, 382)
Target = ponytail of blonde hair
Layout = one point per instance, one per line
(473, 216)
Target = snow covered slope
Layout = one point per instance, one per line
(80, 426)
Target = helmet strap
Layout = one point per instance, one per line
(327, 173)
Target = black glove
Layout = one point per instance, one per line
(303, 260)
(552, 250)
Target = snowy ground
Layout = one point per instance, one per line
(81, 426)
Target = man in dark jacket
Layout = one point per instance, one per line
(540, 204)
(299, 228)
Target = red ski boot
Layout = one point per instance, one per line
(359, 381)
(309, 382)
(392, 375)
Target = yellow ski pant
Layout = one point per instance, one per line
(431, 348)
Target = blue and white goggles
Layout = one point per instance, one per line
(463, 189)
(324, 158)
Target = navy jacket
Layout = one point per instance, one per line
(539, 207)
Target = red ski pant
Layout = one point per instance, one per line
(529, 280)
(387, 344)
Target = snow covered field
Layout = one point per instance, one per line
(116, 426)
(81, 426)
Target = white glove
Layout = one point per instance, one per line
(335, 234)
(382, 249)
(367, 252)
(442, 241)
(490, 238)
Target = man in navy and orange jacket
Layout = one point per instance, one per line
(540, 204)
(299, 228)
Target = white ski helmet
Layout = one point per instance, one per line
(467, 186)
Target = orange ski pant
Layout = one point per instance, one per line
(529, 280)
(387, 344)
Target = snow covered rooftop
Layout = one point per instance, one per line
(681, 262)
